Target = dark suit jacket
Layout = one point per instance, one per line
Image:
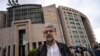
(42, 50)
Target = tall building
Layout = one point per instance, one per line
(76, 27)
(24, 25)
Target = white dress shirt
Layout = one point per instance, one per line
(53, 50)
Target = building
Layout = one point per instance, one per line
(24, 28)
(76, 27)
(21, 30)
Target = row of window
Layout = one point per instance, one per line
(73, 19)
(9, 49)
(26, 9)
(77, 41)
(71, 16)
(74, 27)
(76, 23)
(25, 12)
(69, 9)
(37, 44)
(34, 45)
(78, 31)
(76, 36)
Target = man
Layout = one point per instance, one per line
(52, 47)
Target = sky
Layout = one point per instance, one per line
(88, 7)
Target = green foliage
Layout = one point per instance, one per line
(32, 52)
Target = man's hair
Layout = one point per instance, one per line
(49, 25)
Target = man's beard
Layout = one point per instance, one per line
(49, 39)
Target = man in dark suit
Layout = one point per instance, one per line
(52, 47)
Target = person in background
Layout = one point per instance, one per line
(97, 50)
(78, 52)
(72, 49)
(86, 53)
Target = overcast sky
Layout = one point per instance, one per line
(89, 7)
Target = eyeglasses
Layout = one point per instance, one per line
(46, 31)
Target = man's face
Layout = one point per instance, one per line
(49, 34)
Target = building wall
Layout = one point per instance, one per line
(5, 38)
(2, 19)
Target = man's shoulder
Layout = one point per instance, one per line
(61, 44)
(65, 48)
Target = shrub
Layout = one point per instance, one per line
(32, 52)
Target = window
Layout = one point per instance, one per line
(66, 8)
(22, 35)
(76, 17)
(69, 9)
(28, 46)
(71, 36)
(82, 36)
(4, 52)
(83, 41)
(74, 31)
(14, 50)
(76, 20)
(34, 45)
(0, 49)
(77, 41)
(70, 18)
(64, 12)
(68, 26)
(44, 42)
(72, 23)
(76, 36)
(80, 32)
(77, 23)
(8, 50)
(65, 17)
(63, 8)
(79, 27)
(39, 43)
(73, 27)
(22, 12)
(70, 15)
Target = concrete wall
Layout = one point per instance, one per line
(2, 19)
(5, 38)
